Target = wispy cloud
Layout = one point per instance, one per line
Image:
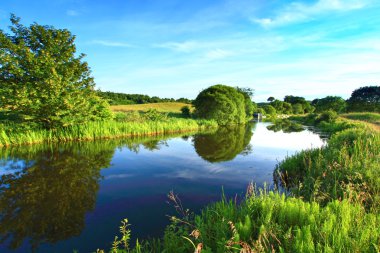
(108, 43)
(186, 46)
(298, 12)
(72, 13)
(218, 53)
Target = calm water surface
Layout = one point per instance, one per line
(56, 198)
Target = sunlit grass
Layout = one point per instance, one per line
(169, 107)
(9, 135)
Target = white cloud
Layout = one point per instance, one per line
(186, 46)
(218, 53)
(111, 43)
(72, 13)
(298, 12)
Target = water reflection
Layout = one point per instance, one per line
(47, 198)
(56, 198)
(225, 144)
(285, 126)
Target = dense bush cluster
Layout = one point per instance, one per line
(225, 104)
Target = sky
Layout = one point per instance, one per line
(176, 48)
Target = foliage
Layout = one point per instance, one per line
(328, 116)
(333, 103)
(365, 99)
(168, 107)
(116, 98)
(225, 144)
(249, 106)
(222, 103)
(185, 111)
(272, 222)
(294, 100)
(287, 108)
(278, 105)
(269, 110)
(298, 109)
(99, 130)
(299, 104)
(368, 117)
(43, 81)
(270, 99)
(347, 167)
(154, 115)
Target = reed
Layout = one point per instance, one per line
(11, 134)
(271, 222)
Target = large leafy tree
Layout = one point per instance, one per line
(43, 80)
(365, 99)
(222, 103)
(334, 103)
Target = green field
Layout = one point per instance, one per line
(372, 118)
(169, 107)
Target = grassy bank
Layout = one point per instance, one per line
(169, 107)
(12, 134)
(332, 204)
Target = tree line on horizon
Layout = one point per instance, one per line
(45, 82)
(363, 99)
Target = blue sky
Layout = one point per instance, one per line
(176, 48)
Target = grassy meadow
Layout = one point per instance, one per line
(373, 119)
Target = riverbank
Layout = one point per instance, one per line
(11, 135)
(331, 205)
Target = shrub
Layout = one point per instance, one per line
(328, 116)
(185, 111)
(222, 103)
(154, 115)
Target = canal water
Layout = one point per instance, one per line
(60, 198)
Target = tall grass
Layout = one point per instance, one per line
(271, 222)
(347, 167)
(11, 135)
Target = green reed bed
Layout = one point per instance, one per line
(347, 168)
(11, 135)
(269, 222)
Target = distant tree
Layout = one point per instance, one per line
(298, 109)
(334, 103)
(365, 99)
(287, 108)
(269, 110)
(260, 110)
(308, 108)
(294, 99)
(42, 79)
(270, 99)
(222, 103)
(185, 111)
(278, 105)
(184, 100)
(249, 107)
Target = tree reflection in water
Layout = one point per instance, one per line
(47, 198)
(47, 190)
(225, 144)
